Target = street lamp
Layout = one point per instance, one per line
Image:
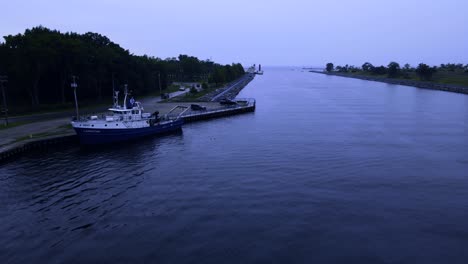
(4, 79)
(159, 83)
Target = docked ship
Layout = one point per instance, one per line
(124, 122)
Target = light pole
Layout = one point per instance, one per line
(4, 79)
(74, 85)
(159, 83)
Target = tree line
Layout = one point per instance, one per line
(40, 63)
(394, 70)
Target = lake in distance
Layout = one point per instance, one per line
(326, 170)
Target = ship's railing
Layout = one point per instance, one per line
(171, 116)
(244, 101)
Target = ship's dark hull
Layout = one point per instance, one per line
(89, 136)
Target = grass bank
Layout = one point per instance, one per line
(445, 81)
(440, 77)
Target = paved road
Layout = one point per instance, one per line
(229, 88)
(10, 136)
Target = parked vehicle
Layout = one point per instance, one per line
(197, 107)
(226, 101)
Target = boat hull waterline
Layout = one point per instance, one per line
(94, 136)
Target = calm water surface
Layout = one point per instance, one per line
(327, 169)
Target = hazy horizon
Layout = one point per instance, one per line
(272, 33)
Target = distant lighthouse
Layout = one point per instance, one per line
(260, 72)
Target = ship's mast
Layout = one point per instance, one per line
(74, 85)
(125, 98)
(116, 99)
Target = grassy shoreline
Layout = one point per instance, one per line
(441, 83)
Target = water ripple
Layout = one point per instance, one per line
(349, 168)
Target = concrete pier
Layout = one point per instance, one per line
(16, 150)
(247, 105)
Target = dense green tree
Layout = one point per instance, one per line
(226, 73)
(40, 63)
(452, 67)
(342, 68)
(393, 69)
(381, 70)
(425, 72)
(218, 76)
(407, 67)
(367, 67)
(329, 67)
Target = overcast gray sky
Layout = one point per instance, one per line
(270, 32)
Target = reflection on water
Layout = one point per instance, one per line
(327, 169)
